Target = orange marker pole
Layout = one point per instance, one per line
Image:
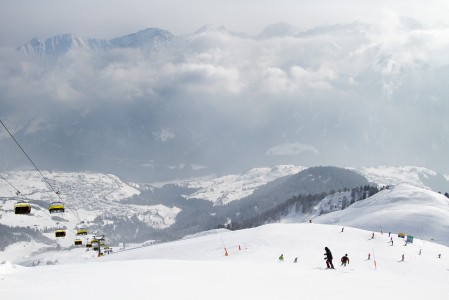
(226, 251)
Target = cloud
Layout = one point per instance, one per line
(344, 93)
(291, 149)
(164, 135)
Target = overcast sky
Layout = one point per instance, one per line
(361, 94)
(22, 20)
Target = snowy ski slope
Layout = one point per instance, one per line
(197, 268)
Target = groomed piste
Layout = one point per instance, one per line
(198, 268)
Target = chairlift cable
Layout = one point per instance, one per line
(59, 231)
(45, 179)
(17, 191)
(27, 199)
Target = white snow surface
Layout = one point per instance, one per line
(387, 175)
(82, 187)
(225, 189)
(403, 208)
(86, 195)
(197, 268)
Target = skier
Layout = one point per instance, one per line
(372, 237)
(281, 258)
(296, 260)
(343, 229)
(369, 256)
(328, 258)
(402, 257)
(345, 260)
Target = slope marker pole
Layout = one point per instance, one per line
(226, 251)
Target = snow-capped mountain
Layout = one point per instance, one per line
(225, 189)
(417, 176)
(61, 44)
(281, 29)
(151, 38)
(131, 212)
(103, 202)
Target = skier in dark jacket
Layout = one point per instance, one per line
(345, 260)
(328, 258)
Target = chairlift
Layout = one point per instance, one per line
(22, 208)
(60, 233)
(78, 242)
(81, 231)
(56, 207)
(99, 237)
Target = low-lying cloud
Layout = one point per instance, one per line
(352, 94)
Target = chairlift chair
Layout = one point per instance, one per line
(22, 208)
(81, 231)
(60, 233)
(56, 207)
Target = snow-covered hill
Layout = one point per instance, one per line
(86, 197)
(403, 208)
(197, 268)
(224, 189)
(103, 201)
(417, 176)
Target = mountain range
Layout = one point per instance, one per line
(151, 38)
(134, 214)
